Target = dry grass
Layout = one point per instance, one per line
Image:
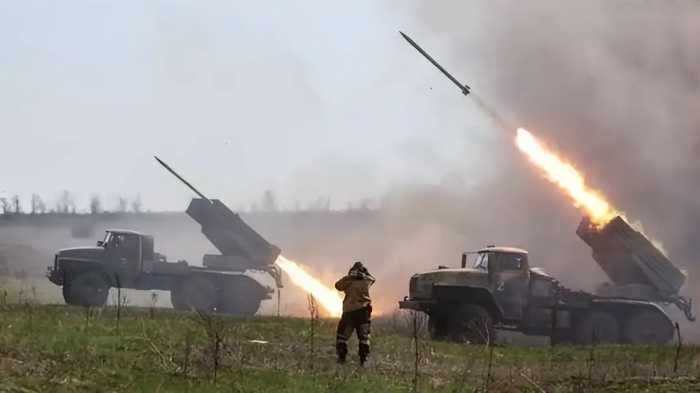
(52, 348)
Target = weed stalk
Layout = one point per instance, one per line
(214, 329)
(416, 350)
(591, 356)
(119, 299)
(489, 366)
(187, 353)
(679, 346)
(313, 319)
(152, 309)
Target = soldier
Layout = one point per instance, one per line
(357, 311)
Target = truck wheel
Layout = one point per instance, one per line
(562, 338)
(598, 327)
(240, 296)
(471, 323)
(648, 327)
(177, 298)
(437, 326)
(86, 289)
(199, 294)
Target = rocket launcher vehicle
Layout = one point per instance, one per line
(241, 247)
(637, 269)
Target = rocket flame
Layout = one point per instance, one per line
(567, 178)
(329, 298)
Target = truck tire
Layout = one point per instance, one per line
(240, 296)
(471, 323)
(648, 327)
(562, 338)
(86, 289)
(437, 326)
(199, 293)
(597, 327)
(177, 298)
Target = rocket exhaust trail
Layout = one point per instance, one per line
(556, 169)
(491, 113)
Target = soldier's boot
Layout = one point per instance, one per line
(364, 353)
(341, 349)
(343, 333)
(363, 338)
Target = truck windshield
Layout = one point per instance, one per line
(481, 261)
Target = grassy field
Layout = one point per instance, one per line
(47, 348)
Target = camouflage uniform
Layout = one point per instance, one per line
(357, 311)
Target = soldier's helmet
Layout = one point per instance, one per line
(358, 267)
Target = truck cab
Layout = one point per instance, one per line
(494, 278)
(128, 251)
(508, 273)
(123, 258)
(121, 253)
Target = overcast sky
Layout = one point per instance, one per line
(309, 99)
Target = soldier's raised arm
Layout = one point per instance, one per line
(343, 283)
(370, 278)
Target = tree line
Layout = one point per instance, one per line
(66, 204)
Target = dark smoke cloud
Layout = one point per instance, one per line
(615, 85)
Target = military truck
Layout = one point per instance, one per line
(499, 290)
(126, 259)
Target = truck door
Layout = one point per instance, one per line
(124, 252)
(148, 256)
(509, 278)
